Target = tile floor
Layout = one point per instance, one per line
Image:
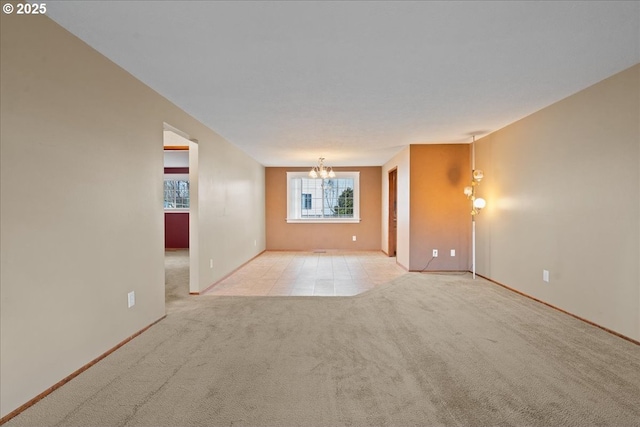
(332, 273)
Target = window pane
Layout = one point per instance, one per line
(176, 194)
(339, 197)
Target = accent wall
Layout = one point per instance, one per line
(440, 213)
(433, 212)
(289, 236)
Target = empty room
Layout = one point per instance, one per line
(320, 213)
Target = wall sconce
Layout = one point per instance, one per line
(321, 171)
(477, 203)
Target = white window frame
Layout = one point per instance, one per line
(294, 201)
(177, 177)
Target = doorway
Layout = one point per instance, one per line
(393, 212)
(180, 212)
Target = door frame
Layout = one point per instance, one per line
(393, 213)
(192, 145)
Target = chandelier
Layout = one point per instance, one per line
(321, 171)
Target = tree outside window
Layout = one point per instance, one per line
(176, 194)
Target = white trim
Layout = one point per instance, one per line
(324, 221)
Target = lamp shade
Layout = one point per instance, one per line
(478, 175)
(468, 191)
(479, 203)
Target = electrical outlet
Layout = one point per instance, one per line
(435, 253)
(354, 238)
(545, 275)
(453, 252)
(131, 299)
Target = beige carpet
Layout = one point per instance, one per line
(422, 350)
(176, 275)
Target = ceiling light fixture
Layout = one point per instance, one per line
(321, 171)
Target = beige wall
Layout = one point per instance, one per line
(81, 220)
(440, 213)
(400, 162)
(231, 210)
(563, 194)
(289, 236)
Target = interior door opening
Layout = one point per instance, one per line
(393, 212)
(180, 213)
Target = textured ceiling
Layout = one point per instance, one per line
(288, 82)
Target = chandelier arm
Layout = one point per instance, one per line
(321, 171)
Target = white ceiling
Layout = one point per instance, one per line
(291, 81)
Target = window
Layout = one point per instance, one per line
(323, 200)
(176, 193)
